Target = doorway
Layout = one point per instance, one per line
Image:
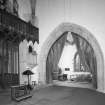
(84, 33)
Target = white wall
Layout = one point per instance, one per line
(86, 13)
(67, 57)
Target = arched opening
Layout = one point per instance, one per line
(60, 62)
(77, 62)
(57, 33)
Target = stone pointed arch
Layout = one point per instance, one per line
(83, 33)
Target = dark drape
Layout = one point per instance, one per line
(53, 58)
(9, 64)
(87, 56)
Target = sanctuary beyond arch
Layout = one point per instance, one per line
(81, 31)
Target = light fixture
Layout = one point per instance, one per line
(70, 39)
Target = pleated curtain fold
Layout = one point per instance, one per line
(87, 57)
(53, 58)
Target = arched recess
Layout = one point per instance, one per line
(81, 31)
(76, 57)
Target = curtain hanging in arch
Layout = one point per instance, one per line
(87, 56)
(53, 58)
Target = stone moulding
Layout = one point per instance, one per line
(83, 33)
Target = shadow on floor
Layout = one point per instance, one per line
(5, 96)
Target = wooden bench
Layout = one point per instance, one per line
(20, 92)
